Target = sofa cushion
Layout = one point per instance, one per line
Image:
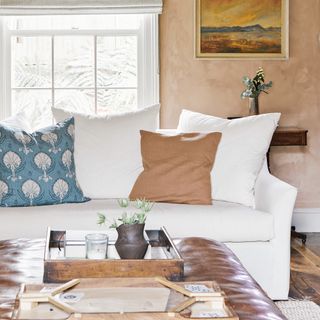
(240, 154)
(176, 168)
(38, 168)
(227, 222)
(107, 150)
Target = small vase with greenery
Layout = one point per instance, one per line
(253, 89)
(131, 243)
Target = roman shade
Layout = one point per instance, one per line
(51, 7)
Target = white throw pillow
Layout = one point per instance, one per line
(240, 154)
(17, 121)
(107, 150)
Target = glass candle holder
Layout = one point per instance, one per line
(96, 246)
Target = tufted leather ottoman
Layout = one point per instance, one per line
(22, 260)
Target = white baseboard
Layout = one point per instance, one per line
(306, 219)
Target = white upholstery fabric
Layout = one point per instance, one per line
(278, 198)
(107, 150)
(240, 154)
(221, 221)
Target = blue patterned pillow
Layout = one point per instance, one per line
(38, 168)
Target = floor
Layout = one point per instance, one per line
(305, 268)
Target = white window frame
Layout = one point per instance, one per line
(148, 59)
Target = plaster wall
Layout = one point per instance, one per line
(214, 86)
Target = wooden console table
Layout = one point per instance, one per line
(289, 136)
(286, 136)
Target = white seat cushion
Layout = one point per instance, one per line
(226, 222)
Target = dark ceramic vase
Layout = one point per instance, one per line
(254, 106)
(131, 243)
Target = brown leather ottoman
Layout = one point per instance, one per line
(21, 261)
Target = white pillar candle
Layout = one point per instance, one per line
(96, 246)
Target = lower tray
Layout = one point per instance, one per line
(125, 298)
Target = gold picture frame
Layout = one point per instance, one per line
(254, 38)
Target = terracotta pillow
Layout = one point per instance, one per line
(176, 168)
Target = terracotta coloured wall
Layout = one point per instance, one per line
(214, 87)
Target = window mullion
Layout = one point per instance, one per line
(52, 72)
(95, 75)
(6, 91)
(73, 32)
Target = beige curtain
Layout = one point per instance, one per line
(41, 7)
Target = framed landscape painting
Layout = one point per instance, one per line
(238, 29)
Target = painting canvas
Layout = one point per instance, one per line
(242, 29)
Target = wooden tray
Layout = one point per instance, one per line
(162, 259)
(120, 298)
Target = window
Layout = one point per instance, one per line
(93, 64)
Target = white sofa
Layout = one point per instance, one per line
(259, 237)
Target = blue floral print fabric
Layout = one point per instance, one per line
(38, 168)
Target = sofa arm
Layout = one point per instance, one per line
(276, 197)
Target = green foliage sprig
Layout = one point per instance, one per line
(256, 85)
(142, 205)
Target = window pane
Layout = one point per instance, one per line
(117, 61)
(31, 62)
(74, 61)
(116, 100)
(65, 22)
(36, 104)
(81, 101)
